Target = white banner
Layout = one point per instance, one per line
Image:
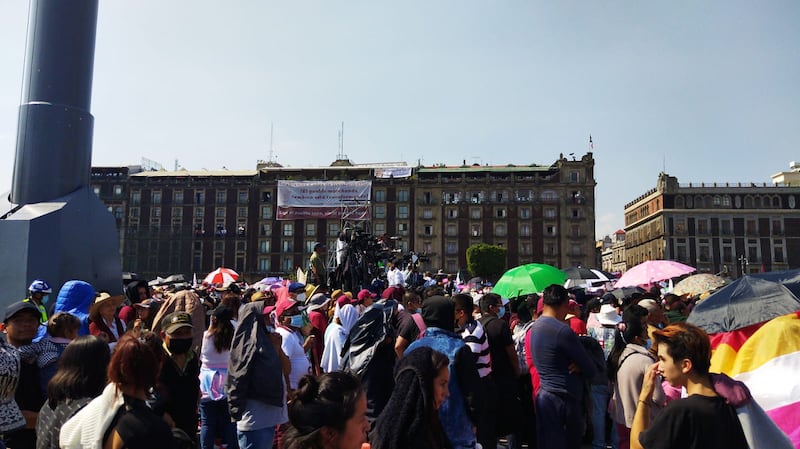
(393, 172)
(323, 193)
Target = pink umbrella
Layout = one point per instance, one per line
(221, 275)
(652, 271)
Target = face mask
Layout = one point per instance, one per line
(270, 328)
(179, 345)
(418, 310)
(648, 344)
(661, 325)
(301, 297)
(45, 299)
(501, 313)
(297, 321)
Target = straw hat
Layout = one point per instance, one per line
(103, 298)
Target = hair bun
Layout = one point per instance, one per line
(307, 388)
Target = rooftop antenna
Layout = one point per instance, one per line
(271, 152)
(341, 156)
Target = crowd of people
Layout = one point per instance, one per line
(296, 366)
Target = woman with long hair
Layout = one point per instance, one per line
(328, 412)
(119, 417)
(627, 364)
(215, 419)
(81, 377)
(411, 418)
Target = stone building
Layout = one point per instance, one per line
(194, 221)
(716, 227)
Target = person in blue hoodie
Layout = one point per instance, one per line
(460, 412)
(76, 297)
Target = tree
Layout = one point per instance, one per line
(486, 261)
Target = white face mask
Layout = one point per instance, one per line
(301, 297)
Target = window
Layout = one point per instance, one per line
(452, 197)
(524, 196)
(727, 250)
(475, 197)
(549, 212)
(311, 229)
(451, 265)
(452, 212)
(199, 196)
(136, 197)
(549, 196)
(241, 212)
(243, 197)
(525, 248)
(575, 213)
(222, 196)
(725, 226)
(475, 213)
(427, 198)
(241, 246)
(380, 196)
(428, 230)
(177, 196)
(427, 213)
(402, 211)
(266, 196)
(550, 230)
(286, 246)
(525, 230)
(751, 226)
(777, 226)
(219, 212)
(679, 202)
(452, 247)
(703, 250)
(263, 264)
(500, 230)
(717, 201)
(402, 228)
(309, 244)
(266, 212)
(452, 230)
(117, 190)
(380, 211)
(288, 264)
(752, 250)
(266, 229)
(550, 249)
(288, 229)
(524, 212)
(475, 230)
(156, 197)
(96, 190)
(726, 201)
(155, 212)
(402, 195)
(680, 226)
(777, 251)
(134, 212)
(219, 246)
(574, 176)
(118, 212)
(427, 247)
(500, 196)
(333, 229)
(379, 228)
(500, 212)
(702, 226)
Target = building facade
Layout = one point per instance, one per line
(613, 253)
(717, 227)
(195, 221)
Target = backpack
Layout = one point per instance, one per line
(519, 346)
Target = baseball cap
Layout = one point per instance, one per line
(296, 287)
(20, 306)
(319, 245)
(175, 321)
(285, 304)
(364, 294)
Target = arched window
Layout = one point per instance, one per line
(748, 202)
(679, 202)
(776, 202)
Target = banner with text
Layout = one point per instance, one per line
(393, 172)
(324, 199)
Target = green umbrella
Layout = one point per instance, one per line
(527, 279)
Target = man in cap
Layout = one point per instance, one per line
(179, 378)
(37, 294)
(317, 270)
(318, 305)
(20, 324)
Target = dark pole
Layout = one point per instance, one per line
(54, 135)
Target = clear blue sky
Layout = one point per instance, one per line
(711, 90)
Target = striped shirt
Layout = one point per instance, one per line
(474, 336)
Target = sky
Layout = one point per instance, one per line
(706, 91)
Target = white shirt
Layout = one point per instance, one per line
(293, 348)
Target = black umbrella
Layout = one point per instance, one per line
(627, 292)
(590, 274)
(749, 300)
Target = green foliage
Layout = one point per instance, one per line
(486, 261)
